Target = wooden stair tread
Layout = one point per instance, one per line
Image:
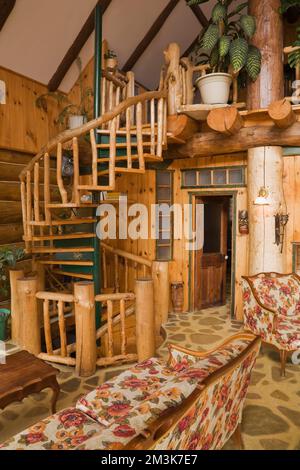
(66, 262)
(122, 170)
(55, 223)
(124, 158)
(70, 236)
(124, 145)
(71, 206)
(88, 277)
(81, 249)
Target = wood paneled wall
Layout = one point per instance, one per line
(291, 185)
(23, 126)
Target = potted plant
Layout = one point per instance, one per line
(111, 59)
(72, 115)
(9, 256)
(225, 45)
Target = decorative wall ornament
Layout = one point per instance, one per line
(243, 222)
(280, 223)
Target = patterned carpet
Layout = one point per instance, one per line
(271, 419)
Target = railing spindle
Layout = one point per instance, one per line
(139, 135)
(160, 124)
(128, 137)
(62, 328)
(117, 278)
(112, 154)
(47, 193)
(36, 191)
(76, 192)
(110, 351)
(123, 326)
(152, 119)
(104, 268)
(94, 158)
(47, 327)
(60, 183)
(29, 203)
(24, 213)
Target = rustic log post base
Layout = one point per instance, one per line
(14, 275)
(85, 320)
(160, 275)
(30, 326)
(145, 323)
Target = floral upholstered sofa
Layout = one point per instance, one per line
(272, 310)
(193, 401)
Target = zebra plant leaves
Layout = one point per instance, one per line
(248, 24)
(238, 54)
(253, 64)
(211, 37)
(227, 39)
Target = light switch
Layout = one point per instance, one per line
(2, 92)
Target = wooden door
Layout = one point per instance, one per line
(211, 261)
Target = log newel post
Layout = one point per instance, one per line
(265, 164)
(160, 275)
(39, 271)
(145, 323)
(14, 275)
(172, 58)
(30, 327)
(85, 321)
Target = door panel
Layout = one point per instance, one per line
(210, 262)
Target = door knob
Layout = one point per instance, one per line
(226, 257)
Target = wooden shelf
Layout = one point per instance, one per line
(199, 112)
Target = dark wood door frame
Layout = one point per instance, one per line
(204, 193)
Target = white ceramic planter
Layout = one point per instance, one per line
(214, 88)
(76, 121)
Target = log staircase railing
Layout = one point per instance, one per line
(133, 137)
(120, 267)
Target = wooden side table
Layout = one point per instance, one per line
(24, 374)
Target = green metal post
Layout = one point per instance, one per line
(97, 113)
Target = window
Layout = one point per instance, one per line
(164, 219)
(214, 177)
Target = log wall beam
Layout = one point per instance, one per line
(211, 143)
(227, 121)
(282, 114)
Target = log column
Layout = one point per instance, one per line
(145, 323)
(85, 320)
(30, 327)
(265, 164)
(160, 275)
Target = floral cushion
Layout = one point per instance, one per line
(121, 397)
(63, 431)
(287, 333)
(279, 293)
(118, 397)
(180, 360)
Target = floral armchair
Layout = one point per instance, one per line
(272, 310)
(193, 401)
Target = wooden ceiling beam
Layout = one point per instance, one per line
(148, 38)
(6, 7)
(196, 9)
(76, 47)
(204, 23)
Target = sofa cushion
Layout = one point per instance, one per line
(287, 333)
(65, 430)
(278, 293)
(148, 382)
